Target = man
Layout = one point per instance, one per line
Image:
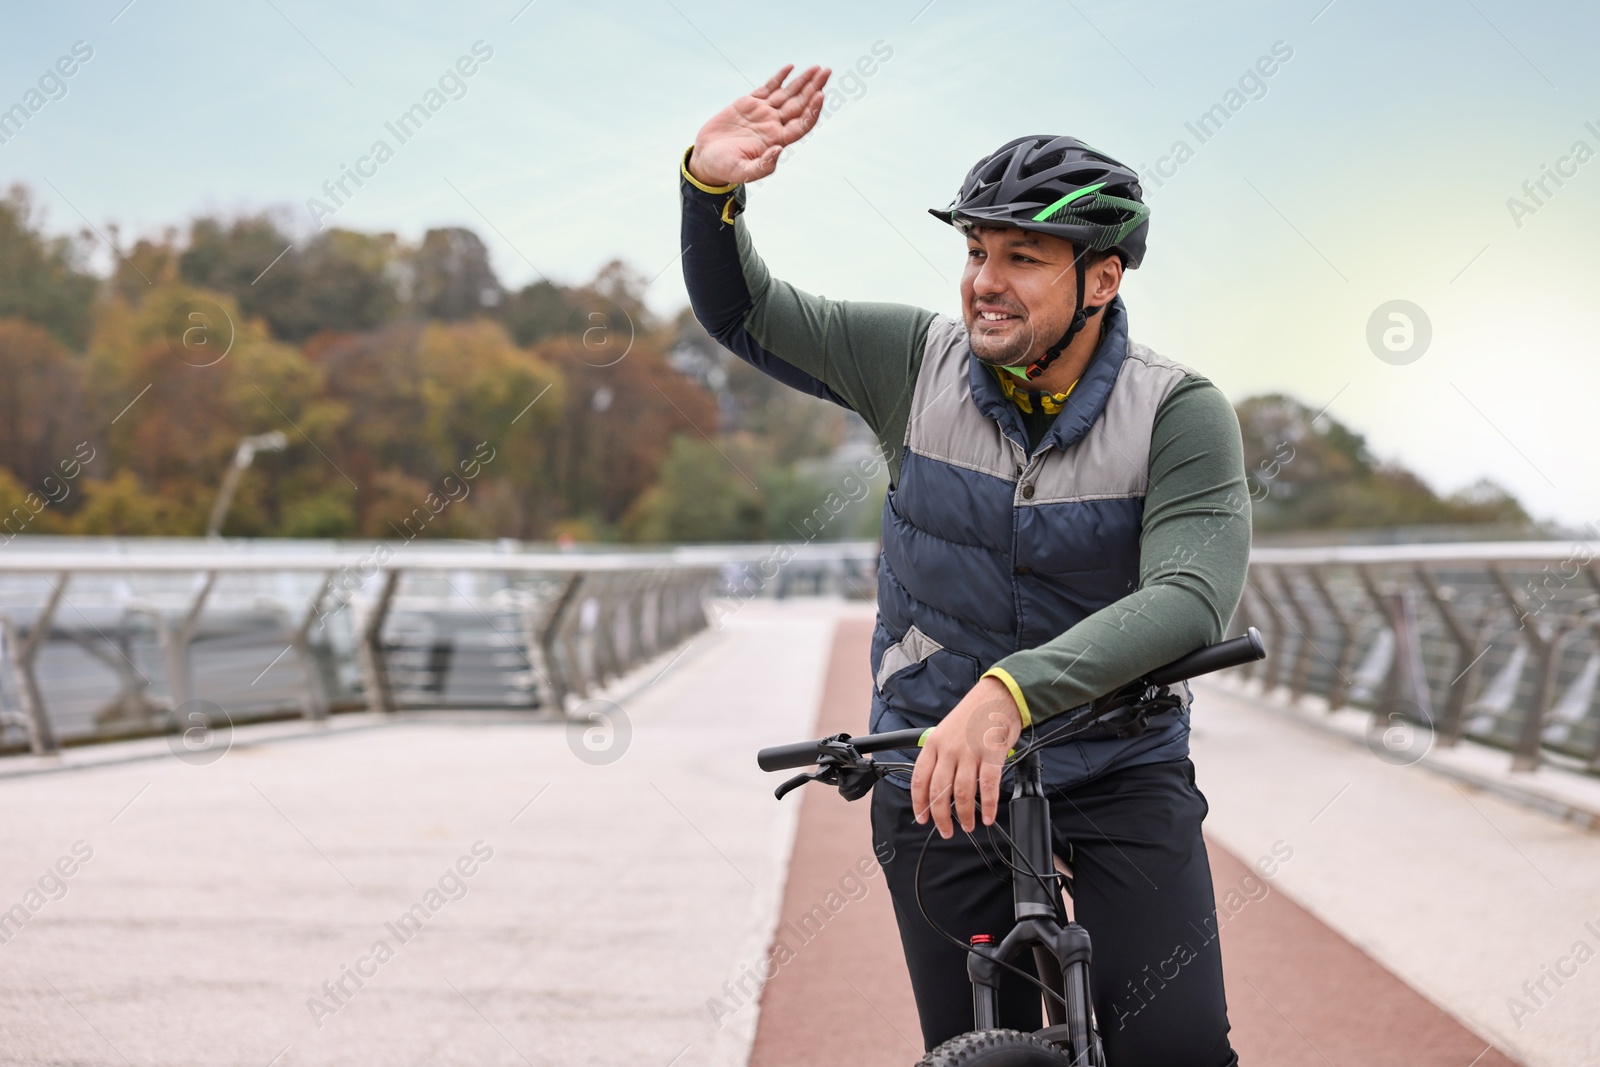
(1067, 510)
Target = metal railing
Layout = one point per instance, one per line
(1498, 642)
(118, 639)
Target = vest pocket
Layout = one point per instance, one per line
(952, 673)
(914, 647)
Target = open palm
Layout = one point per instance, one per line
(742, 142)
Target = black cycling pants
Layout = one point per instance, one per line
(1142, 888)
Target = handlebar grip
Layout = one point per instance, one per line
(805, 753)
(893, 739)
(787, 757)
(1240, 650)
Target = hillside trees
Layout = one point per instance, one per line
(404, 371)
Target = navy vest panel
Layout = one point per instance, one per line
(988, 550)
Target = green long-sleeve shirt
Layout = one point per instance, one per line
(1194, 544)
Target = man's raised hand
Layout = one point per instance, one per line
(742, 142)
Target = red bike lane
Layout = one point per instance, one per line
(1299, 994)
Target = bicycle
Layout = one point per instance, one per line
(1061, 947)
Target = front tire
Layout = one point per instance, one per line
(996, 1048)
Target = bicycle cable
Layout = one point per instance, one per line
(999, 875)
(916, 887)
(1044, 880)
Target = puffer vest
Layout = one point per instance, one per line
(988, 550)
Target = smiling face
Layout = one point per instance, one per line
(1018, 288)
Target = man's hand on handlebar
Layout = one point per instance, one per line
(964, 757)
(742, 142)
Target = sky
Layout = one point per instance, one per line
(1383, 159)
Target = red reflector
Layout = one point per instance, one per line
(982, 939)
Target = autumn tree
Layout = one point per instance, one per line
(1311, 471)
(180, 379)
(43, 409)
(622, 406)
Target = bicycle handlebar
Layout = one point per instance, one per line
(804, 753)
(1207, 660)
(1212, 658)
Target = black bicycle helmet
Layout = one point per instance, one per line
(1059, 186)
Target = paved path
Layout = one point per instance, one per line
(845, 997)
(1461, 894)
(617, 901)
(628, 906)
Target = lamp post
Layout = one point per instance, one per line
(243, 456)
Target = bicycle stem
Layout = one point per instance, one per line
(1033, 853)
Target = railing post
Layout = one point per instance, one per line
(313, 697)
(41, 732)
(700, 592)
(1559, 721)
(1407, 682)
(666, 614)
(1466, 666)
(1397, 614)
(1526, 754)
(177, 643)
(1340, 684)
(1277, 675)
(1271, 627)
(1302, 653)
(650, 614)
(1383, 704)
(548, 637)
(607, 662)
(374, 664)
(131, 700)
(633, 617)
(694, 606)
(576, 678)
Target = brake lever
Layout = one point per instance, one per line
(840, 765)
(825, 774)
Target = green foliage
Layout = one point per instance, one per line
(24, 510)
(330, 513)
(701, 497)
(537, 311)
(121, 506)
(42, 279)
(795, 508)
(451, 277)
(339, 280)
(733, 490)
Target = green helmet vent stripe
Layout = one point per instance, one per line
(1065, 200)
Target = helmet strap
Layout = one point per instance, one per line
(1080, 319)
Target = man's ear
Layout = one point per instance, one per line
(1103, 281)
